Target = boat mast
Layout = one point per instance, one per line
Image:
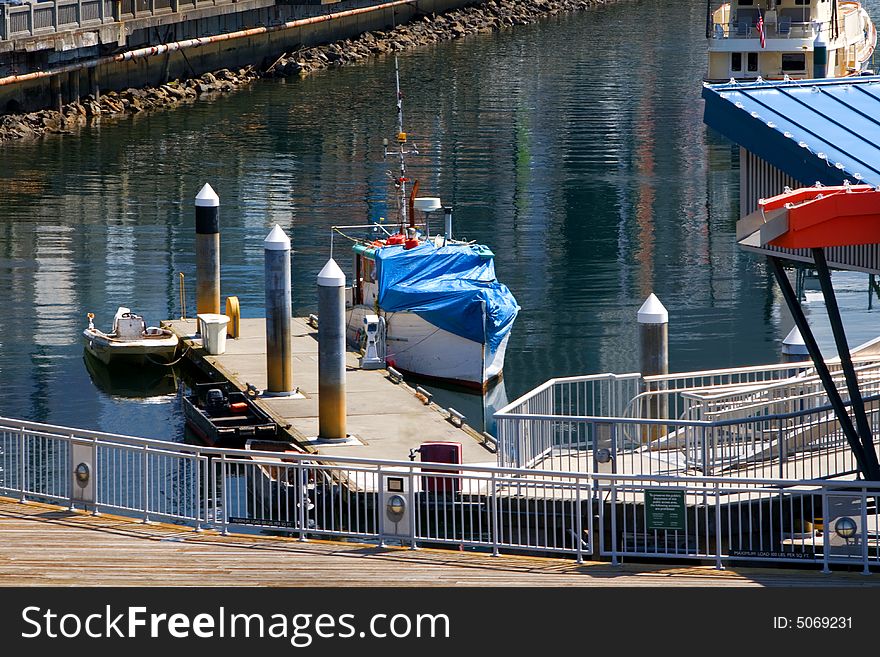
(401, 141)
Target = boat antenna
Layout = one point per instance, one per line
(401, 180)
(401, 142)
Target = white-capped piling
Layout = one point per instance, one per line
(207, 251)
(794, 349)
(653, 337)
(447, 222)
(331, 352)
(279, 368)
(653, 356)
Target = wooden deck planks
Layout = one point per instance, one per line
(42, 545)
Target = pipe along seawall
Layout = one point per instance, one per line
(154, 65)
(226, 42)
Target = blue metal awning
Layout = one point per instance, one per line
(824, 131)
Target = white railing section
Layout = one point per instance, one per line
(768, 421)
(234, 490)
(492, 509)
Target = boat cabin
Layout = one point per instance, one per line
(775, 39)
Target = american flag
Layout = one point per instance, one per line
(760, 26)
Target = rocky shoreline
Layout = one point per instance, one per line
(490, 16)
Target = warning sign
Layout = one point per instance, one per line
(665, 509)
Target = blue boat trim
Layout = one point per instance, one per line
(824, 131)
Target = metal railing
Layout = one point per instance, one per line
(768, 421)
(40, 18)
(786, 27)
(299, 494)
(755, 520)
(493, 509)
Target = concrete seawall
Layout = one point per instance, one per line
(72, 93)
(23, 93)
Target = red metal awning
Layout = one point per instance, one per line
(814, 217)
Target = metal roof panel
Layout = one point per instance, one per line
(814, 130)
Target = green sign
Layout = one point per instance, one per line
(665, 509)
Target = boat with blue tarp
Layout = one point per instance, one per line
(426, 305)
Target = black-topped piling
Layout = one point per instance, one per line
(207, 251)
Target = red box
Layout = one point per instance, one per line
(441, 452)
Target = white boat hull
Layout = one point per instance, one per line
(160, 349)
(415, 346)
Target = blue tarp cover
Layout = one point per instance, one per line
(446, 286)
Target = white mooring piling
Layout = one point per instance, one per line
(279, 367)
(331, 353)
(794, 349)
(653, 354)
(207, 251)
(653, 337)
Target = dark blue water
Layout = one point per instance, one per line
(575, 148)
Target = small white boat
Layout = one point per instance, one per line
(131, 340)
(794, 39)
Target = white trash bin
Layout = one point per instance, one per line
(213, 329)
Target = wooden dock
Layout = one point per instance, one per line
(387, 419)
(43, 545)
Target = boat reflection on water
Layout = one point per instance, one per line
(478, 409)
(132, 382)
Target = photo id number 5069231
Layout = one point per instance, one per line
(812, 622)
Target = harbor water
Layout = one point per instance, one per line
(574, 148)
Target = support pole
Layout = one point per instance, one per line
(331, 352)
(94, 89)
(73, 83)
(849, 372)
(852, 438)
(278, 312)
(207, 251)
(447, 222)
(55, 90)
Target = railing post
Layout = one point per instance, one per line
(225, 522)
(201, 482)
(302, 495)
(494, 510)
(705, 450)
(69, 471)
(102, 11)
(4, 23)
(95, 474)
(718, 564)
(21, 466)
(413, 516)
(614, 561)
(145, 487)
(579, 519)
(31, 18)
(825, 545)
(779, 451)
(864, 518)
